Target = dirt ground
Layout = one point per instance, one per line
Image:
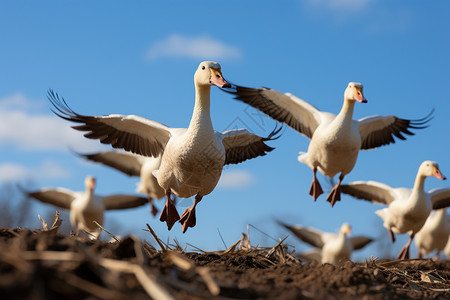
(42, 264)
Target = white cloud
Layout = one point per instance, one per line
(18, 101)
(341, 5)
(10, 172)
(21, 129)
(200, 47)
(236, 179)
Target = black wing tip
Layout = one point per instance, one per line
(237, 90)
(83, 155)
(275, 134)
(422, 122)
(62, 109)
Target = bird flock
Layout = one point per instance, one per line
(188, 162)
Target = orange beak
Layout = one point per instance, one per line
(92, 184)
(359, 96)
(437, 173)
(217, 79)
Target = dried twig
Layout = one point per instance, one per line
(196, 248)
(163, 249)
(232, 247)
(225, 245)
(57, 221)
(276, 246)
(110, 234)
(44, 224)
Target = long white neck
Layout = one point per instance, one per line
(419, 183)
(345, 116)
(342, 236)
(201, 117)
(89, 195)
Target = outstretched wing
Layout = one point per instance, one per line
(359, 242)
(123, 201)
(372, 191)
(286, 108)
(311, 236)
(377, 131)
(132, 133)
(127, 163)
(440, 197)
(241, 145)
(60, 197)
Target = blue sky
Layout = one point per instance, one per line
(108, 57)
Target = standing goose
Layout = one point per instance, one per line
(434, 233)
(333, 248)
(86, 207)
(192, 158)
(134, 165)
(407, 209)
(335, 140)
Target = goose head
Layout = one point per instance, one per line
(89, 182)
(354, 92)
(209, 73)
(345, 230)
(431, 168)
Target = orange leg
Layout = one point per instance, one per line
(315, 189)
(153, 208)
(391, 234)
(404, 253)
(335, 194)
(188, 218)
(169, 213)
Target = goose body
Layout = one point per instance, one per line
(335, 139)
(134, 165)
(334, 248)
(86, 207)
(192, 158)
(434, 233)
(447, 249)
(407, 209)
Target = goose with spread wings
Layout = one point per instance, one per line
(86, 207)
(192, 158)
(133, 165)
(335, 139)
(329, 247)
(408, 209)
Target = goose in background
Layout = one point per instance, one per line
(434, 233)
(408, 209)
(329, 247)
(86, 207)
(335, 139)
(133, 165)
(447, 249)
(192, 158)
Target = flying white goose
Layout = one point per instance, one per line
(86, 207)
(192, 158)
(335, 140)
(133, 165)
(434, 233)
(333, 248)
(407, 209)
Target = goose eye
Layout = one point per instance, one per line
(203, 67)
